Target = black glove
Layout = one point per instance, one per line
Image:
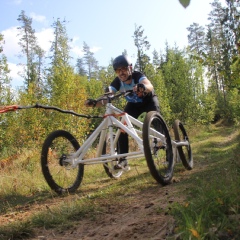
(141, 87)
(107, 90)
(91, 102)
(141, 90)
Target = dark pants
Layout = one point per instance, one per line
(135, 110)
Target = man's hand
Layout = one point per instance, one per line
(140, 90)
(90, 103)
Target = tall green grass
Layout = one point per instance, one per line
(212, 206)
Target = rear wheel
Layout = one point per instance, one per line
(184, 151)
(109, 166)
(59, 173)
(158, 148)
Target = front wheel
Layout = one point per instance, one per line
(158, 148)
(58, 171)
(184, 151)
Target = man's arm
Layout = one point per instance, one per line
(148, 85)
(144, 87)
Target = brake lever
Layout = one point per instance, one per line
(128, 92)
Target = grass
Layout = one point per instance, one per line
(212, 206)
(25, 187)
(212, 195)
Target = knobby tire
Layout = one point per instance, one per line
(60, 175)
(158, 153)
(184, 152)
(109, 166)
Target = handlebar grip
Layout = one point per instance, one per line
(91, 102)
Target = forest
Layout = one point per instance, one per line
(198, 84)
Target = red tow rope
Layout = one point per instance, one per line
(9, 108)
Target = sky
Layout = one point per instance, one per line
(106, 26)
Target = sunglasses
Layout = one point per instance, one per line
(122, 69)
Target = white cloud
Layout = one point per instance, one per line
(11, 50)
(95, 49)
(11, 47)
(17, 2)
(45, 37)
(14, 74)
(77, 50)
(38, 18)
(75, 39)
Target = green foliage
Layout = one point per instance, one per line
(107, 75)
(233, 106)
(4, 78)
(204, 111)
(236, 70)
(156, 78)
(25, 127)
(184, 85)
(184, 3)
(194, 85)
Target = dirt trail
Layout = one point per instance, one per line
(144, 217)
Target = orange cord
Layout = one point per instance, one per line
(9, 108)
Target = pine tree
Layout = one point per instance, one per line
(232, 24)
(182, 86)
(196, 41)
(31, 50)
(232, 21)
(4, 76)
(5, 99)
(156, 59)
(220, 52)
(80, 67)
(60, 67)
(91, 62)
(142, 45)
(68, 90)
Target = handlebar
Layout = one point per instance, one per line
(109, 97)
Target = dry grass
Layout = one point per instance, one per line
(27, 202)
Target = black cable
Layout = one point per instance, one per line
(37, 105)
